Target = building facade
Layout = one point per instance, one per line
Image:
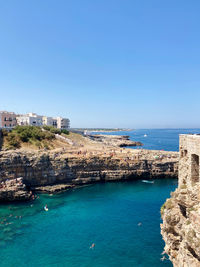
(38, 120)
(7, 119)
(30, 119)
(63, 123)
(49, 121)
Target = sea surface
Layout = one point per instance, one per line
(156, 139)
(121, 218)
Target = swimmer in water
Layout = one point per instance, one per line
(46, 208)
(92, 246)
(163, 258)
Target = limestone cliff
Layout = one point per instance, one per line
(14, 190)
(181, 213)
(74, 168)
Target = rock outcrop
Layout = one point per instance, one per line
(14, 190)
(181, 213)
(114, 140)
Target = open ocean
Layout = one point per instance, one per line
(105, 214)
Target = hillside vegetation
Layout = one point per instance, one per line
(31, 135)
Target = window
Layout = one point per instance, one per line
(183, 153)
(194, 168)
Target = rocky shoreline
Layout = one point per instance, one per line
(59, 170)
(14, 190)
(114, 140)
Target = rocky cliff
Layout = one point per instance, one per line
(81, 167)
(181, 213)
(14, 190)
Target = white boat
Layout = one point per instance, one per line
(145, 135)
(148, 182)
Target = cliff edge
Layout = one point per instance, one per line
(76, 160)
(181, 212)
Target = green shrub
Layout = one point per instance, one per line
(49, 135)
(28, 134)
(46, 127)
(55, 130)
(13, 140)
(4, 132)
(52, 129)
(64, 131)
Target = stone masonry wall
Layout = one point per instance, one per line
(181, 212)
(189, 154)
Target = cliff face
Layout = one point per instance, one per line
(49, 168)
(14, 190)
(181, 213)
(181, 228)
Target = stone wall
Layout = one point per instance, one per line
(189, 160)
(181, 213)
(1, 139)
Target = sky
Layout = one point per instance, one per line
(102, 63)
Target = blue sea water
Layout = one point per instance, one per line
(156, 139)
(105, 214)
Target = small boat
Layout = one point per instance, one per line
(145, 135)
(148, 182)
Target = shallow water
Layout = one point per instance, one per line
(105, 214)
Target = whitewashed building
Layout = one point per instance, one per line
(30, 119)
(38, 120)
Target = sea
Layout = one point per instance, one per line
(121, 220)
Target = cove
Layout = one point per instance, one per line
(105, 214)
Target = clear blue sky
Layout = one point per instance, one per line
(102, 63)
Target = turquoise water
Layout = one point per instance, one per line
(105, 214)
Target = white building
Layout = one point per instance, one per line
(38, 120)
(63, 123)
(30, 119)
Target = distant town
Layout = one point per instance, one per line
(9, 120)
